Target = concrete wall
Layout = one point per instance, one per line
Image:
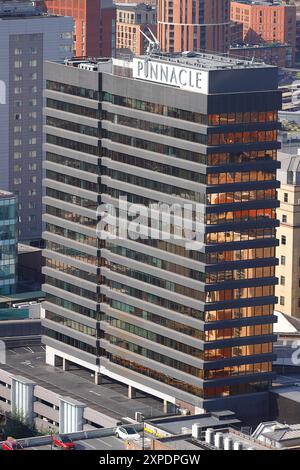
(250, 409)
(284, 410)
(46, 407)
(75, 436)
(289, 288)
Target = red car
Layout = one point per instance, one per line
(11, 445)
(63, 442)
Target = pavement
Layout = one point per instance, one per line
(109, 398)
(103, 443)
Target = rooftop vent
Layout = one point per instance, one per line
(189, 54)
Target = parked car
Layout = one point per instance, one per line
(11, 444)
(127, 434)
(63, 442)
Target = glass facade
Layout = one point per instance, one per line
(200, 321)
(72, 264)
(240, 221)
(8, 243)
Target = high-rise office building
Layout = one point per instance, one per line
(8, 242)
(189, 323)
(193, 25)
(266, 21)
(288, 252)
(27, 37)
(95, 23)
(297, 54)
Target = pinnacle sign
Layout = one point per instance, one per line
(169, 74)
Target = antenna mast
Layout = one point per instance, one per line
(153, 43)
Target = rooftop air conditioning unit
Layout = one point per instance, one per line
(185, 430)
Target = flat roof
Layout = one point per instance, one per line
(174, 425)
(135, 6)
(109, 398)
(22, 9)
(248, 442)
(194, 60)
(190, 443)
(283, 433)
(263, 3)
(291, 392)
(22, 296)
(28, 17)
(24, 380)
(204, 61)
(269, 45)
(72, 401)
(180, 443)
(6, 194)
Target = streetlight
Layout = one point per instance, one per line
(143, 438)
(51, 431)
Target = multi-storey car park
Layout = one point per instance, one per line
(192, 325)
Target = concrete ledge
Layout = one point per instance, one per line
(75, 436)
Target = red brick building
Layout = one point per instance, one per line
(186, 25)
(266, 22)
(95, 21)
(149, 2)
(270, 53)
(131, 18)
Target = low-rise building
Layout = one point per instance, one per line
(19, 306)
(172, 426)
(214, 436)
(280, 436)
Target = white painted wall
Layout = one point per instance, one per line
(283, 325)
